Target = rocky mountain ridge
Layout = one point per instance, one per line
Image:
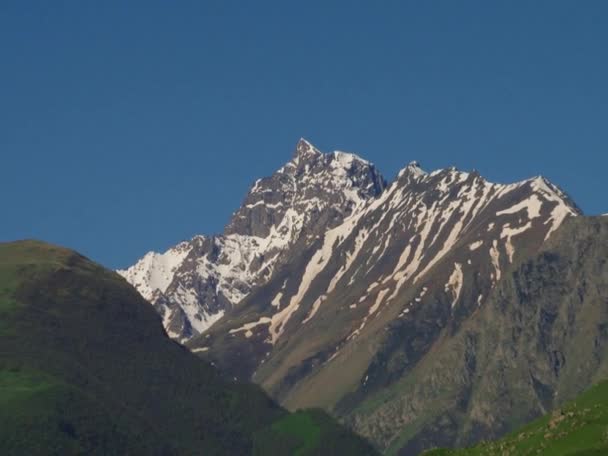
(193, 284)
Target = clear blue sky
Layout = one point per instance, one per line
(126, 128)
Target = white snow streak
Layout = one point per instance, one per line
(495, 256)
(532, 206)
(455, 283)
(475, 245)
(247, 327)
(508, 233)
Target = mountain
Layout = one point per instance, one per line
(361, 310)
(387, 316)
(577, 428)
(87, 368)
(192, 284)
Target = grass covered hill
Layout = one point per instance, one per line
(580, 428)
(86, 368)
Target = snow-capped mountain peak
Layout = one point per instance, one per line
(336, 204)
(313, 192)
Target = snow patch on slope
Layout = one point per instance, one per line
(247, 327)
(532, 206)
(155, 271)
(508, 233)
(495, 256)
(316, 264)
(475, 245)
(455, 283)
(553, 194)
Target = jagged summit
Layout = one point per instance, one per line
(308, 159)
(413, 169)
(304, 150)
(311, 182)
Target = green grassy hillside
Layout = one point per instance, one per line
(579, 428)
(86, 368)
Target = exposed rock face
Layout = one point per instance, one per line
(194, 283)
(539, 340)
(318, 190)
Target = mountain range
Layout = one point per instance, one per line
(435, 310)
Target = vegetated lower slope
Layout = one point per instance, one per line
(86, 368)
(578, 428)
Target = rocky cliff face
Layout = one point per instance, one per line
(539, 340)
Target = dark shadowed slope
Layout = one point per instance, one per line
(86, 368)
